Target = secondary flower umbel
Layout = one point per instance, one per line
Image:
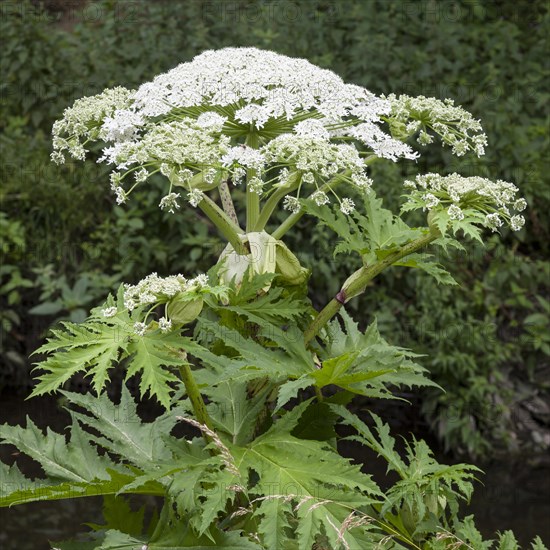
(489, 202)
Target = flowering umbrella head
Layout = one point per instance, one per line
(239, 114)
(481, 201)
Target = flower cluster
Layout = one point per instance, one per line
(459, 194)
(84, 120)
(154, 289)
(456, 127)
(258, 85)
(179, 144)
(239, 113)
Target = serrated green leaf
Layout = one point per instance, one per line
(423, 262)
(234, 411)
(282, 463)
(91, 346)
(121, 430)
(151, 354)
(364, 363)
(289, 390)
(118, 515)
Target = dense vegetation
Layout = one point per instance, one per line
(64, 243)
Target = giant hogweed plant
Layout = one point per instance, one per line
(261, 381)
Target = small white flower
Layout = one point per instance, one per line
(311, 128)
(201, 280)
(141, 175)
(147, 297)
(431, 200)
(121, 196)
(455, 212)
(170, 202)
(165, 324)
(140, 328)
(58, 157)
(493, 221)
(195, 197)
(109, 311)
(253, 114)
(211, 121)
(256, 185)
(165, 169)
(520, 205)
(347, 206)
(424, 138)
(283, 176)
(362, 181)
(517, 222)
(115, 179)
(238, 175)
(209, 175)
(308, 177)
(130, 304)
(292, 204)
(320, 198)
(242, 155)
(184, 175)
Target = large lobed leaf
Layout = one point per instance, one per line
(303, 479)
(101, 343)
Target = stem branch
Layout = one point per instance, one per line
(226, 227)
(357, 283)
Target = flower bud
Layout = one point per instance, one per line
(182, 311)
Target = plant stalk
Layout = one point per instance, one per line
(274, 200)
(252, 199)
(225, 226)
(227, 202)
(357, 283)
(199, 408)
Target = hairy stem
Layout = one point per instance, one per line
(357, 283)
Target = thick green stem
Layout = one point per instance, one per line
(357, 283)
(252, 205)
(252, 198)
(226, 227)
(199, 408)
(290, 222)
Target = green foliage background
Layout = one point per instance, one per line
(65, 244)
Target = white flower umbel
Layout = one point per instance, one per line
(458, 194)
(170, 202)
(455, 126)
(140, 328)
(347, 206)
(165, 324)
(195, 197)
(154, 289)
(109, 311)
(83, 122)
(243, 112)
